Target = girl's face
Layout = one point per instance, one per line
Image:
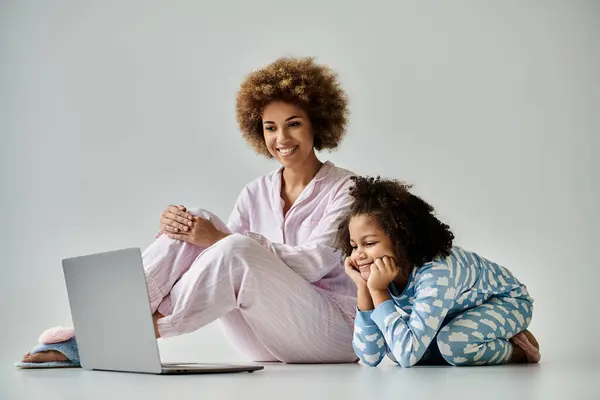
(369, 242)
(288, 134)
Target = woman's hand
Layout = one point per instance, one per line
(352, 271)
(176, 219)
(203, 233)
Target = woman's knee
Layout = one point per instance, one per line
(237, 252)
(202, 213)
(236, 244)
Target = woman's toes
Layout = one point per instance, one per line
(45, 356)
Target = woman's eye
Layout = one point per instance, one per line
(269, 128)
(294, 124)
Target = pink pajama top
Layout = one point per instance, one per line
(304, 238)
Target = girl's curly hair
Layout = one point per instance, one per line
(300, 81)
(408, 220)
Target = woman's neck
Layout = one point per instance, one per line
(300, 177)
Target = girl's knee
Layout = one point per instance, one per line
(453, 345)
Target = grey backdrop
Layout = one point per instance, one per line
(111, 110)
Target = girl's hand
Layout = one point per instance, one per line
(176, 219)
(383, 271)
(352, 271)
(203, 233)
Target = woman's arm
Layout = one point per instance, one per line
(315, 258)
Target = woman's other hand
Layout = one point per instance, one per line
(203, 233)
(176, 219)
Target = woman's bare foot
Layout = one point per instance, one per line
(52, 355)
(44, 356)
(155, 317)
(525, 348)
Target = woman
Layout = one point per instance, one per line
(271, 276)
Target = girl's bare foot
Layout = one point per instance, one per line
(44, 356)
(525, 348)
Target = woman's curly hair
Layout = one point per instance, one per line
(408, 220)
(300, 81)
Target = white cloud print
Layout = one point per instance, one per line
(359, 345)
(428, 292)
(423, 307)
(471, 348)
(372, 338)
(478, 335)
(413, 359)
(519, 317)
(496, 315)
(450, 294)
(489, 323)
(458, 337)
(391, 319)
(416, 323)
(512, 323)
(445, 348)
(443, 281)
(425, 340)
(432, 322)
(399, 328)
(467, 323)
(371, 358)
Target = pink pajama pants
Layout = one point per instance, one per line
(266, 310)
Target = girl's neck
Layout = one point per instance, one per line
(401, 281)
(406, 269)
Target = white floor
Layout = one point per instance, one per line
(544, 381)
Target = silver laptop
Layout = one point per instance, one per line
(111, 314)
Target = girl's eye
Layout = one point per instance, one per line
(370, 244)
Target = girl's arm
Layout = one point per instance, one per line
(368, 343)
(435, 292)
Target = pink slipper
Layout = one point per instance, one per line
(56, 334)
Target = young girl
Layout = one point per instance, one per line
(418, 295)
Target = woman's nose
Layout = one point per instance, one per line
(282, 136)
